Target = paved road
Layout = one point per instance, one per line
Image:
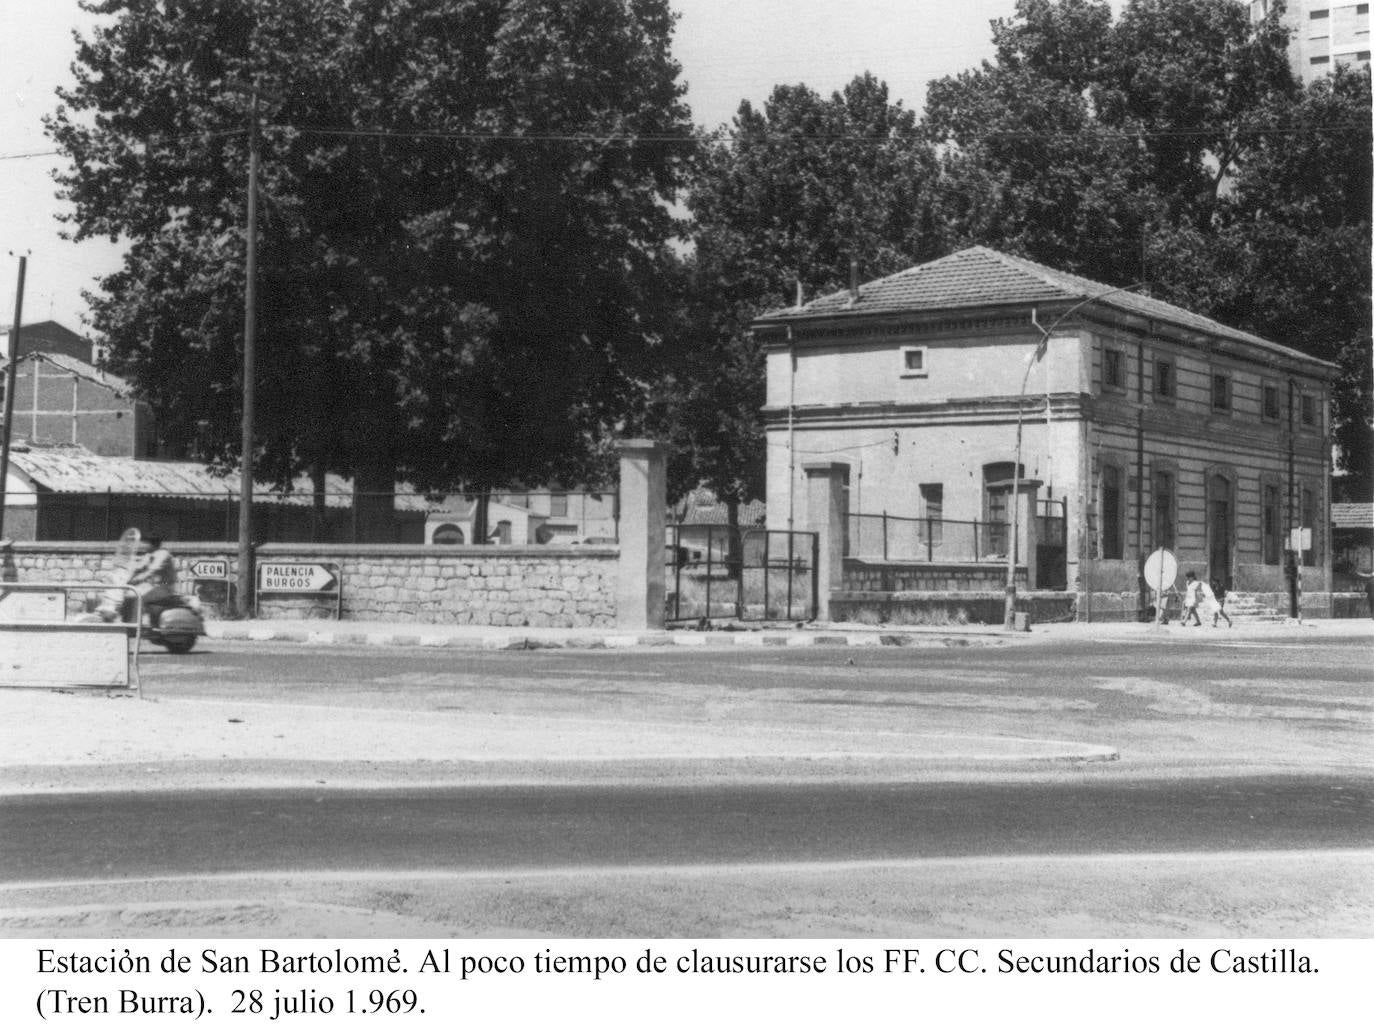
(1248, 763)
(118, 835)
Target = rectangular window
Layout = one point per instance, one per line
(558, 505)
(1221, 392)
(1309, 409)
(1273, 520)
(1318, 15)
(913, 362)
(1163, 491)
(1113, 370)
(1111, 512)
(1320, 60)
(933, 510)
(1271, 404)
(1164, 379)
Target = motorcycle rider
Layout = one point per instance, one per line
(155, 579)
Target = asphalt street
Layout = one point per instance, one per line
(161, 834)
(349, 791)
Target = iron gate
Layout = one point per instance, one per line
(715, 573)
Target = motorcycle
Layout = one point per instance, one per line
(173, 621)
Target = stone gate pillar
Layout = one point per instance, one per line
(640, 587)
(826, 511)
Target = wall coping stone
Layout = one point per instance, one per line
(465, 552)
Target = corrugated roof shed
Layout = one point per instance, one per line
(77, 470)
(982, 277)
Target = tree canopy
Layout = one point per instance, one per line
(463, 223)
(798, 190)
(1174, 146)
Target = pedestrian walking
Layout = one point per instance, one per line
(1214, 596)
(1192, 597)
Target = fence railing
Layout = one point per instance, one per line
(750, 574)
(884, 537)
(521, 517)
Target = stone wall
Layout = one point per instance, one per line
(875, 576)
(563, 587)
(966, 607)
(1125, 607)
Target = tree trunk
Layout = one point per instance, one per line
(319, 510)
(734, 558)
(374, 503)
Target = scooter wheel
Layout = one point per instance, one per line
(178, 642)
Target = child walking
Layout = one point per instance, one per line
(1218, 592)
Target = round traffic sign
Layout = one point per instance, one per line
(1161, 569)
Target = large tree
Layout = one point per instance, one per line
(1174, 146)
(785, 201)
(463, 223)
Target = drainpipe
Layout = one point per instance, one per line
(1292, 563)
(1140, 468)
(792, 417)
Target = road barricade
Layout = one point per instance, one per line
(41, 645)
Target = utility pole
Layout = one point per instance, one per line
(250, 332)
(1041, 348)
(11, 371)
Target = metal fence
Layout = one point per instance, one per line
(715, 572)
(885, 537)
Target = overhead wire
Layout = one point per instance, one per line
(731, 137)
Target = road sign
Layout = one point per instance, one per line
(209, 569)
(283, 577)
(1161, 569)
(1300, 539)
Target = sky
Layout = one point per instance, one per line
(729, 50)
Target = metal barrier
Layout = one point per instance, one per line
(44, 647)
(715, 572)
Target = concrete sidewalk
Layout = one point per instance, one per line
(416, 634)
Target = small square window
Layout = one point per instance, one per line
(1164, 379)
(1113, 370)
(1271, 404)
(913, 362)
(1309, 409)
(1221, 392)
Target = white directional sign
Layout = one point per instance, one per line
(208, 569)
(284, 577)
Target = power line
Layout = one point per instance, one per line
(752, 138)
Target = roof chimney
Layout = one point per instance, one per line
(853, 280)
(799, 291)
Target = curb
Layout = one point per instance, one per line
(409, 637)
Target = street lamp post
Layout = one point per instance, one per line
(1009, 615)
